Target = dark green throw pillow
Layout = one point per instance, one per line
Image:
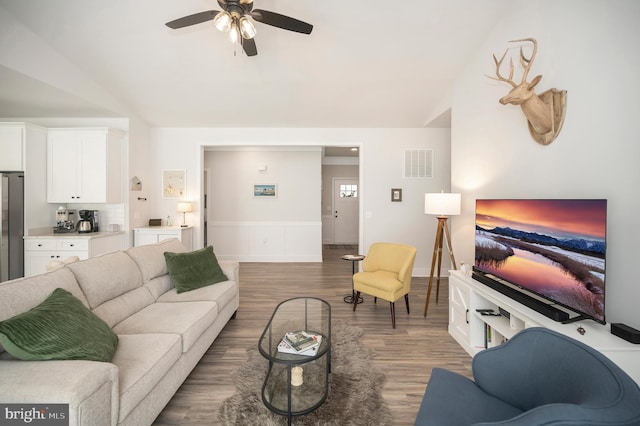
(61, 327)
(193, 270)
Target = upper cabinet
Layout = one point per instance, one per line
(84, 165)
(12, 147)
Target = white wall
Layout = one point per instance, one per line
(382, 156)
(284, 228)
(588, 48)
(139, 165)
(296, 172)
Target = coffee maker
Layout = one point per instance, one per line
(90, 216)
(65, 220)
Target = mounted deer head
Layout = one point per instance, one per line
(544, 112)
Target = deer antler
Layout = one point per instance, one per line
(498, 65)
(524, 62)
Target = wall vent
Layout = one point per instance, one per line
(418, 163)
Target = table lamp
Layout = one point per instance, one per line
(184, 208)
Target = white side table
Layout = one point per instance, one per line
(155, 234)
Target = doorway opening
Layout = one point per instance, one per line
(341, 195)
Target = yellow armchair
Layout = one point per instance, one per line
(386, 273)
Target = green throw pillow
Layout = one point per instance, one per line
(195, 269)
(61, 327)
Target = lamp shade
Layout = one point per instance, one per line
(442, 204)
(184, 207)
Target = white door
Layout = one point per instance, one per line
(346, 202)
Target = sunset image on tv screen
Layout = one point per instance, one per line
(554, 248)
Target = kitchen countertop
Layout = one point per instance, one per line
(162, 228)
(75, 235)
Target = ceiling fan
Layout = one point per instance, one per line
(234, 19)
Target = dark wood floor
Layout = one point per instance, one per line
(406, 354)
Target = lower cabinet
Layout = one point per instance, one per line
(476, 332)
(459, 324)
(155, 234)
(39, 251)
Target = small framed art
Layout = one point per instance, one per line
(265, 190)
(174, 184)
(396, 194)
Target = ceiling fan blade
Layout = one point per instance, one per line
(196, 18)
(249, 46)
(281, 21)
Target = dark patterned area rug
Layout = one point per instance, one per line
(355, 387)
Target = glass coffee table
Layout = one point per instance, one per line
(297, 384)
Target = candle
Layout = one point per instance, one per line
(296, 376)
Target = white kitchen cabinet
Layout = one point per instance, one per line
(40, 250)
(84, 165)
(12, 147)
(155, 234)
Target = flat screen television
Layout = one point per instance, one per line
(548, 254)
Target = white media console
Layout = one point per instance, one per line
(476, 332)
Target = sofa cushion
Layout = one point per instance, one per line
(104, 277)
(61, 327)
(222, 293)
(150, 259)
(143, 360)
(187, 319)
(121, 307)
(196, 269)
(159, 285)
(20, 295)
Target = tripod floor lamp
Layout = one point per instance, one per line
(442, 205)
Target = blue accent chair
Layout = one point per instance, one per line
(539, 377)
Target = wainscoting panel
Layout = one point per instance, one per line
(327, 229)
(267, 241)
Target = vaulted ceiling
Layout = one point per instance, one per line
(367, 63)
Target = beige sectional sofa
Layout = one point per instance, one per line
(162, 335)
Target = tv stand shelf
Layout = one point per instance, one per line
(476, 332)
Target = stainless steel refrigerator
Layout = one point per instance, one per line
(11, 225)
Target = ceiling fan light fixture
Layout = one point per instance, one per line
(234, 34)
(247, 29)
(223, 21)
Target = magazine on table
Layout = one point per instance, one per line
(300, 343)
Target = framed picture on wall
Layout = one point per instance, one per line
(396, 194)
(265, 190)
(174, 184)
